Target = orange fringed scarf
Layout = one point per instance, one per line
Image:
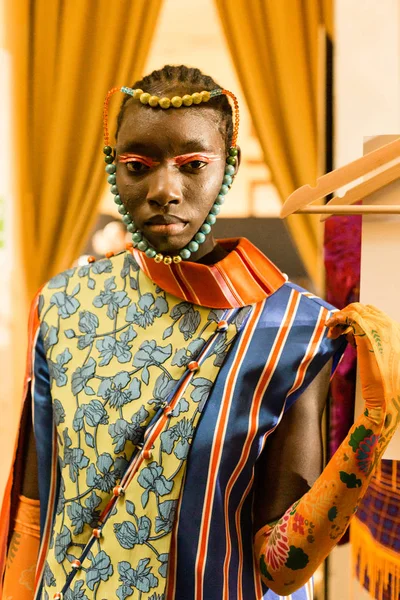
(375, 534)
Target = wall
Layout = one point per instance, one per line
(367, 103)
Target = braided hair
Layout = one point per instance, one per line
(169, 79)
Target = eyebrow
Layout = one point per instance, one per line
(150, 149)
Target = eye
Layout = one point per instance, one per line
(194, 165)
(137, 167)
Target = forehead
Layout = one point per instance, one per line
(172, 130)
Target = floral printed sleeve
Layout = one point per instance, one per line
(289, 551)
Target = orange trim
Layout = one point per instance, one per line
(217, 449)
(269, 369)
(245, 276)
(13, 481)
(317, 337)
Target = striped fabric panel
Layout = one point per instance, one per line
(270, 366)
(214, 538)
(217, 450)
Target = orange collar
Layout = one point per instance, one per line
(243, 277)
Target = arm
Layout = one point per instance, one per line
(290, 550)
(292, 458)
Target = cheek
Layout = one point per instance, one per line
(203, 190)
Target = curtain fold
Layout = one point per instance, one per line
(274, 47)
(66, 55)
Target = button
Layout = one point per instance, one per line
(222, 326)
(76, 564)
(58, 596)
(118, 491)
(147, 454)
(193, 366)
(97, 533)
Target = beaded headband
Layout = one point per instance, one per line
(138, 240)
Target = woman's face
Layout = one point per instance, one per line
(170, 167)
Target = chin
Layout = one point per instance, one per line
(169, 245)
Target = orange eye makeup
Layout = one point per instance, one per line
(144, 160)
(178, 161)
(184, 159)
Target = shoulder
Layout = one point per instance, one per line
(295, 306)
(83, 282)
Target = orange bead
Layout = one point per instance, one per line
(222, 326)
(193, 366)
(91, 259)
(129, 246)
(109, 254)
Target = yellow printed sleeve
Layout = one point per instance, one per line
(289, 551)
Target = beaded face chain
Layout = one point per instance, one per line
(138, 239)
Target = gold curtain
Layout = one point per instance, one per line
(66, 55)
(274, 47)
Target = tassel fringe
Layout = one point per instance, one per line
(375, 561)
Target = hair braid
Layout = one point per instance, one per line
(169, 77)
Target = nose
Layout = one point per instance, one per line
(164, 188)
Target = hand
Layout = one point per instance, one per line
(350, 322)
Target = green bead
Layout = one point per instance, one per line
(224, 189)
(193, 246)
(114, 190)
(220, 199)
(231, 161)
(229, 170)
(150, 252)
(122, 209)
(107, 150)
(200, 237)
(211, 219)
(228, 180)
(137, 237)
(233, 151)
(185, 254)
(215, 210)
(112, 168)
(117, 199)
(109, 159)
(205, 228)
(143, 245)
(127, 219)
(112, 179)
(131, 227)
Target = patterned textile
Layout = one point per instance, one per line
(113, 364)
(375, 534)
(342, 266)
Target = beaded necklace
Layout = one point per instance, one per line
(138, 239)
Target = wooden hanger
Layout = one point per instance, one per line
(300, 200)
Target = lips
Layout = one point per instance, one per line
(164, 220)
(165, 225)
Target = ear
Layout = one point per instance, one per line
(238, 159)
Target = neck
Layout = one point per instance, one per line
(209, 253)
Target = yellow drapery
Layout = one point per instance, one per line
(65, 57)
(274, 47)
